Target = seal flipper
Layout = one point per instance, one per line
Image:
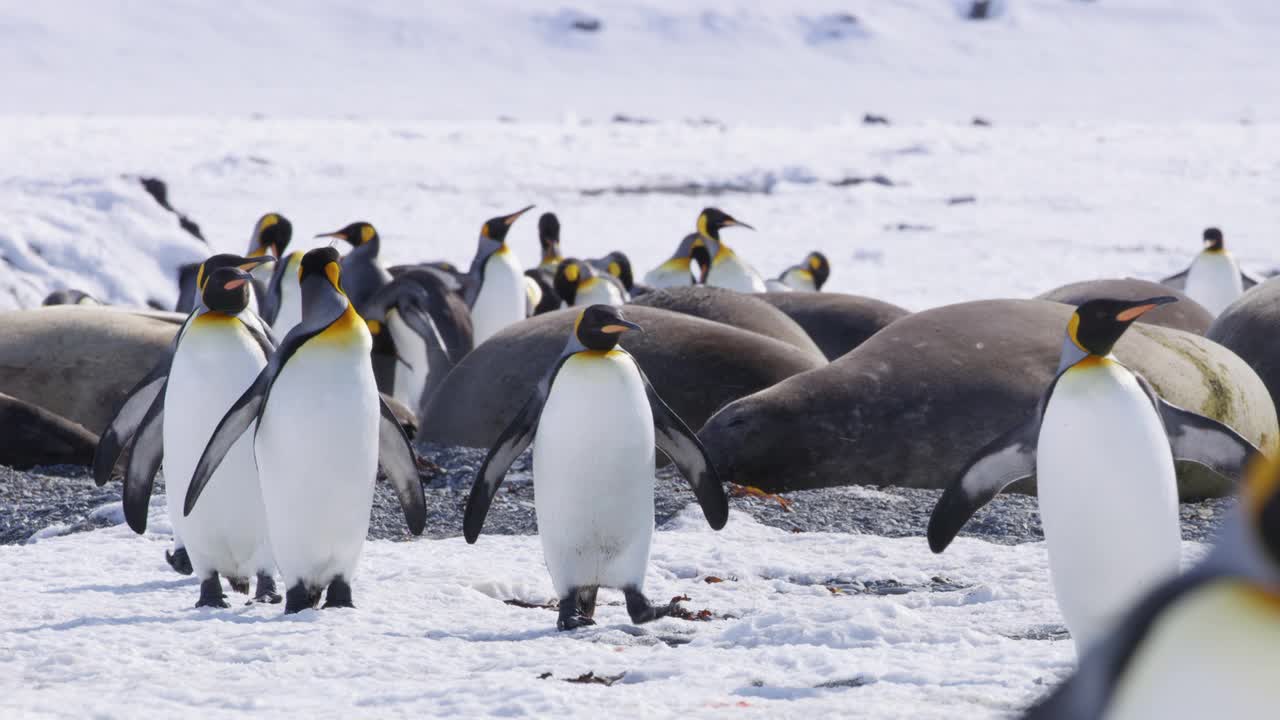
(1177, 281)
(1202, 440)
(146, 452)
(1008, 458)
(684, 448)
(395, 454)
(513, 441)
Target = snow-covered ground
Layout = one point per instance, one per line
(96, 624)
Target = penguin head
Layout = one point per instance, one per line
(618, 265)
(571, 274)
(357, 233)
(272, 234)
(322, 262)
(817, 265)
(1213, 239)
(495, 229)
(226, 260)
(712, 220)
(599, 326)
(549, 237)
(1098, 324)
(226, 290)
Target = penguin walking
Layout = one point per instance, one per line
(321, 432)
(1214, 279)
(809, 276)
(1101, 445)
(580, 283)
(496, 291)
(677, 270)
(597, 419)
(1203, 645)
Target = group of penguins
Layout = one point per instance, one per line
(296, 347)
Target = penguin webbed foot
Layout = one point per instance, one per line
(643, 611)
(239, 584)
(299, 598)
(577, 609)
(211, 594)
(339, 594)
(179, 561)
(266, 590)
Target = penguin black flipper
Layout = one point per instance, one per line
(261, 334)
(1088, 692)
(146, 452)
(1202, 440)
(1249, 280)
(673, 437)
(1177, 281)
(1008, 458)
(513, 441)
(188, 293)
(395, 455)
(269, 301)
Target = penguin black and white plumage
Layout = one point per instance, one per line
(549, 242)
(677, 270)
(362, 272)
(808, 276)
(1214, 279)
(618, 265)
(597, 419)
(282, 302)
(1203, 645)
(727, 270)
(496, 291)
(321, 432)
(271, 235)
(1102, 446)
(579, 283)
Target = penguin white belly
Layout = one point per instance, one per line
(729, 271)
(317, 453)
(410, 381)
(227, 532)
(777, 286)
(1108, 496)
(799, 280)
(598, 291)
(669, 274)
(593, 474)
(1214, 281)
(1212, 655)
(290, 311)
(502, 299)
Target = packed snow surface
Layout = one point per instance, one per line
(97, 624)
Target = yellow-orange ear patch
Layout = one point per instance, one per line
(615, 269)
(702, 225)
(1073, 327)
(571, 273)
(366, 233)
(334, 273)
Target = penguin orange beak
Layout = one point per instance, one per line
(620, 326)
(730, 222)
(335, 234)
(233, 284)
(253, 261)
(509, 219)
(1142, 307)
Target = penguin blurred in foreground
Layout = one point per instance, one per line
(1204, 645)
(496, 291)
(118, 438)
(1101, 445)
(676, 271)
(580, 283)
(597, 418)
(362, 271)
(322, 430)
(727, 270)
(1214, 279)
(809, 276)
(222, 350)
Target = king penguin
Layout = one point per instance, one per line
(282, 308)
(362, 271)
(1214, 279)
(271, 235)
(1101, 445)
(321, 431)
(580, 283)
(727, 270)
(809, 276)
(677, 270)
(496, 290)
(597, 418)
(1204, 645)
(540, 280)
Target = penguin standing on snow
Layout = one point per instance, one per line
(321, 431)
(1101, 445)
(809, 276)
(597, 419)
(1203, 645)
(496, 290)
(580, 283)
(1214, 279)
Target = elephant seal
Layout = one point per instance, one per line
(697, 367)
(837, 322)
(1248, 327)
(1186, 314)
(31, 435)
(741, 310)
(77, 361)
(913, 404)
